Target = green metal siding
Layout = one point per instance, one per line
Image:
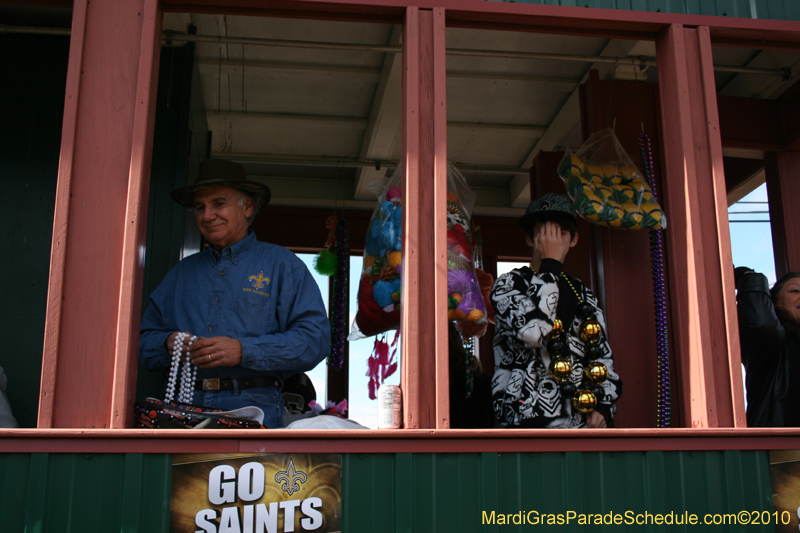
(760, 9)
(440, 492)
(84, 492)
(449, 492)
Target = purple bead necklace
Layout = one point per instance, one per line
(341, 285)
(659, 292)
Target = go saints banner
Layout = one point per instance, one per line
(264, 493)
(784, 470)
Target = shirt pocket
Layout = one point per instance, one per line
(250, 304)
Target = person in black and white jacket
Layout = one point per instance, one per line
(553, 364)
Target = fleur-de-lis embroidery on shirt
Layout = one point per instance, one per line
(290, 479)
(259, 281)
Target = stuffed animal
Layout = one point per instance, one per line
(384, 235)
(385, 230)
(387, 294)
(455, 212)
(395, 260)
(379, 288)
(465, 301)
(458, 242)
(371, 317)
(472, 329)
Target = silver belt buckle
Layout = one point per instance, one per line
(211, 384)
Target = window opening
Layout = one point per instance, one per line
(504, 267)
(310, 108)
(751, 240)
(284, 169)
(30, 171)
(319, 375)
(753, 111)
(360, 408)
(508, 111)
(751, 235)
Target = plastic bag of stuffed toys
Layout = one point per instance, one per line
(607, 188)
(464, 298)
(379, 286)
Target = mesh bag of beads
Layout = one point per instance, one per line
(607, 188)
(464, 297)
(379, 286)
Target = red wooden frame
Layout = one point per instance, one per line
(130, 293)
(392, 440)
(484, 14)
(105, 162)
(105, 157)
(782, 185)
(703, 313)
(55, 290)
(424, 311)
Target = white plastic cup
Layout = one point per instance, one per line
(390, 413)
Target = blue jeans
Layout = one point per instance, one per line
(269, 399)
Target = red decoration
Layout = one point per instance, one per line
(381, 363)
(331, 223)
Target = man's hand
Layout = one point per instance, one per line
(211, 352)
(547, 242)
(170, 344)
(595, 420)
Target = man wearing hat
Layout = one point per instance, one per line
(553, 365)
(255, 309)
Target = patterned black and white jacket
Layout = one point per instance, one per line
(524, 394)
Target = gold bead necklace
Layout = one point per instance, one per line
(584, 398)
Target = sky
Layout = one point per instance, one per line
(751, 244)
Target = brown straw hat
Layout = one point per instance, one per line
(223, 173)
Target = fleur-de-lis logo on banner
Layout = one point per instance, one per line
(290, 479)
(259, 281)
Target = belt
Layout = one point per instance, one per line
(243, 383)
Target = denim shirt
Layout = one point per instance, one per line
(259, 293)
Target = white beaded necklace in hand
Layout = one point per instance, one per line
(188, 374)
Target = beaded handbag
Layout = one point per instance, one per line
(155, 414)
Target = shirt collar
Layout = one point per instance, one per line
(232, 252)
